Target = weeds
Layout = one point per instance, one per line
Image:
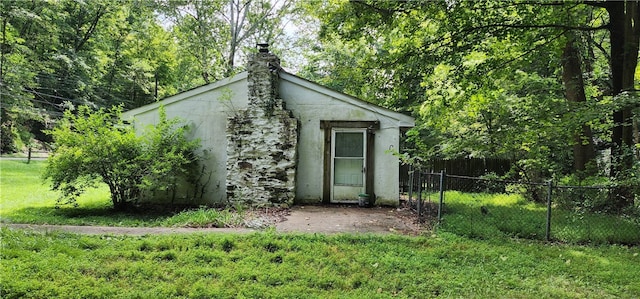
(206, 217)
(270, 265)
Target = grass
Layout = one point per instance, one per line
(26, 198)
(268, 265)
(510, 215)
(474, 255)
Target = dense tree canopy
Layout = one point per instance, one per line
(552, 86)
(59, 54)
(547, 84)
(55, 55)
(215, 33)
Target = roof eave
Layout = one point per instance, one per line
(402, 119)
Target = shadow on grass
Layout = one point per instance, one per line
(490, 221)
(479, 216)
(95, 215)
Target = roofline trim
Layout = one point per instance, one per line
(186, 94)
(403, 120)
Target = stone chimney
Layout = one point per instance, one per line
(262, 82)
(262, 140)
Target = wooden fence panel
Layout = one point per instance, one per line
(472, 167)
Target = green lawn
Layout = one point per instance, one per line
(25, 198)
(23, 193)
(510, 215)
(268, 265)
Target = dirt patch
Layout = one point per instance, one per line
(349, 219)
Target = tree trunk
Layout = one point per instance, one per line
(624, 58)
(230, 59)
(3, 46)
(583, 149)
(625, 34)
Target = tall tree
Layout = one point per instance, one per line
(624, 29)
(216, 33)
(485, 78)
(583, 148)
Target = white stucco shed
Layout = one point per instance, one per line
(342, 148)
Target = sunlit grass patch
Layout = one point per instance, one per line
(488, 216)
(26, 198)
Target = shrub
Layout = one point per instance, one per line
(97, 146)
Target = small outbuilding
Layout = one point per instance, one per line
(274, 139)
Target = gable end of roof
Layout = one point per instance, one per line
(186, 94)
(402, 119)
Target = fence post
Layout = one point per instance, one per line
(419, 204)
(411, 170)
(440, 203)
(549, 193)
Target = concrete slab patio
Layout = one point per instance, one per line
(347, 219)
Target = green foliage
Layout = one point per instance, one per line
(212, 35)
(481, 78)
(312, 266)
(593, 198)
(58, 54)
(92, 147)
(169, 154)
(25, 199)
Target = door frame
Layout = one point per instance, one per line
(327, 126)
(364, 169)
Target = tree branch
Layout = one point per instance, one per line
(536, 26)
(599, 46)
(381, 11)
(101, 11)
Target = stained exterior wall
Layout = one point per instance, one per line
(311, 107)
(205, 110)
(209, 108)
(262, 141)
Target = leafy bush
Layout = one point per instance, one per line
(589, 194)
(92, 146)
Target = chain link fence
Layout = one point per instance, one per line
(481, 207)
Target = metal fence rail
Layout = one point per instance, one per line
(425, 184)
(533, 210)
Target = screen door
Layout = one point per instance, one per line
(348, 173)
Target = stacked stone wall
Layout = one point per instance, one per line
(262, 142)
